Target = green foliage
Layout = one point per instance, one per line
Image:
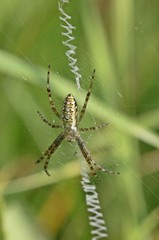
(120, 40)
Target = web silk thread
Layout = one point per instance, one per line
(68, 34)
(96, 220)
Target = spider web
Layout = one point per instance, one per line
(116, 147)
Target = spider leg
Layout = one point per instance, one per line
(93, 128)
(46, 121)
(104, 169)
(49, 95)
(86, 154)
(50, 151)
(89, 159)
(87, 98)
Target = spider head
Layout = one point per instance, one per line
(70, 134)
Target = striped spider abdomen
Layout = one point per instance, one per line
(70, 117)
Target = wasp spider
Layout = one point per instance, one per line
(70, 124)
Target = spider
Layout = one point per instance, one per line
(70, 124)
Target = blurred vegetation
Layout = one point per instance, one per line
(120, 39)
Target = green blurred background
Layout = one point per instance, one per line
(120, 39)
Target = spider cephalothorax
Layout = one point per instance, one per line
(70, 124)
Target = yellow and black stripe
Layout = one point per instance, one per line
(70, 112)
